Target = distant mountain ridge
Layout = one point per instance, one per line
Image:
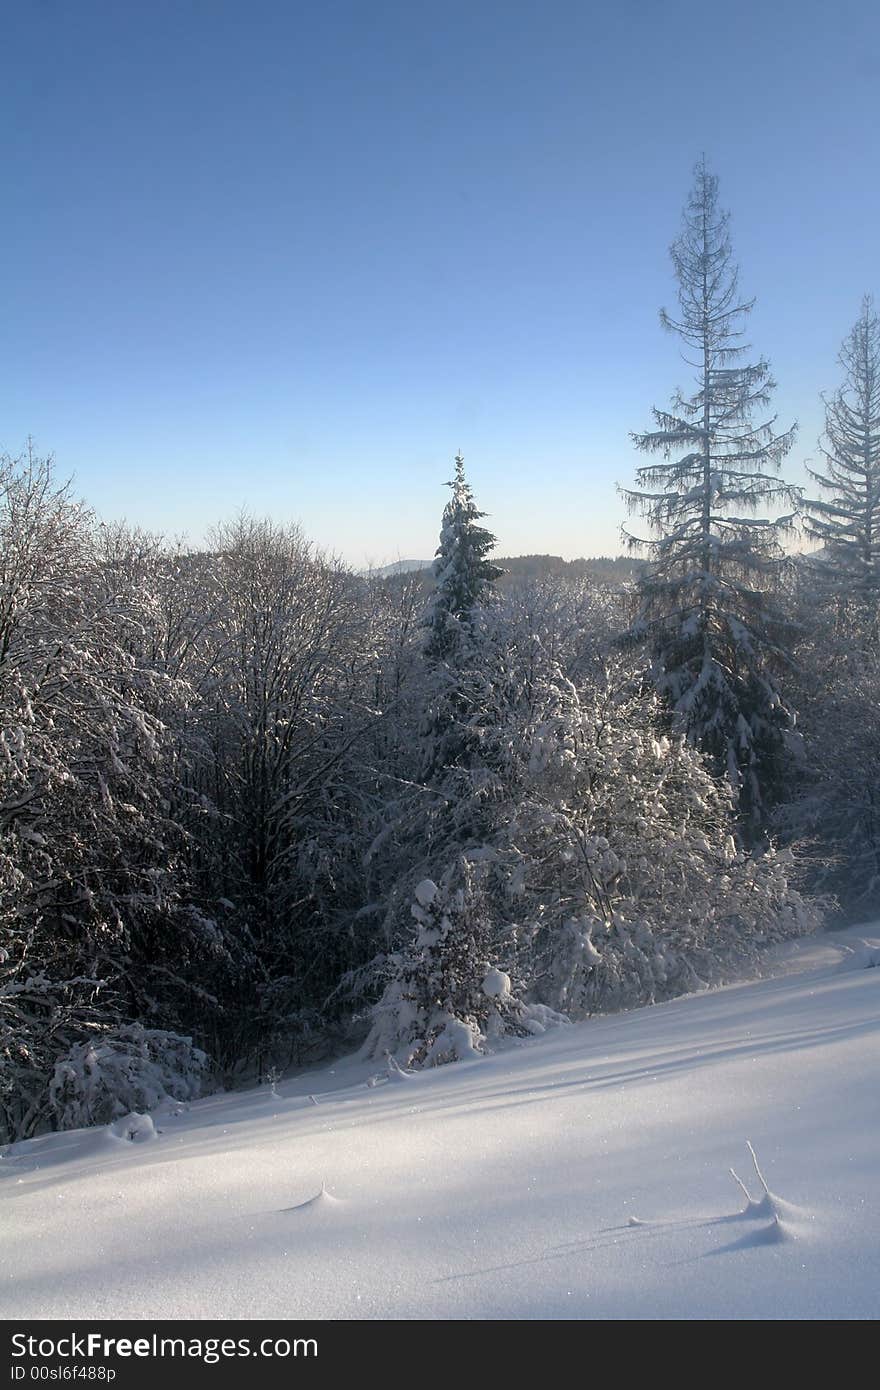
(535, 566)
(401, 567)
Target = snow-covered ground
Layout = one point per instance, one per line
(582, 1175)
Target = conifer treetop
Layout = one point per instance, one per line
(727, 465)
(463, 575)
(846, 520)
(718, 640)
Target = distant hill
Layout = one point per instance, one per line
(402, 567)
(611, 567)
(537, 566)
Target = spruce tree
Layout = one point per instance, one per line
(445, 1001)
(444, 996)
(456, 653)
(846, 519)
(718, 642)
(463, 576)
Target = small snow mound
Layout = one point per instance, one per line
(322, 1200)
(780, 1214)
(135, 1128)
(538, 1018)
(457, 1041)
(496, 985)
(780, 1219)
(426, 892)
(775, 1233)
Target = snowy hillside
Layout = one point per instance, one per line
(582, 1175)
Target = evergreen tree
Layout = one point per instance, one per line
(846, 520)
(434, 1005)
(835, 817)
(718, 642)
(454, 741)
(463, 576)
(445, 999)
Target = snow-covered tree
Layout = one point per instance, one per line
(718, 642)
(446, 999)
(834, 815)
(226, 775)
(463, 575)
(609, 872)
(624, 875)
(98, 922)
(441, 826)
(287, 704)
(130, 1069)
(453, 726)
(845, 519)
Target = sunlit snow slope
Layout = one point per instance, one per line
(581, 1175)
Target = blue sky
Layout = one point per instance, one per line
(293, 256)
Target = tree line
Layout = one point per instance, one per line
(254, 805)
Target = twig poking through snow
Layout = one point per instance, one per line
(757, 1169)
(767, 1205)
(768, 1202)
(738, 1180)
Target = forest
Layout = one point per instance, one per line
(257, 808)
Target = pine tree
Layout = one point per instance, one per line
(463, 576)
(846, 521)
(717, 641)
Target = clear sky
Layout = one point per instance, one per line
(292, 256)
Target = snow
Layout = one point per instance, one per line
(135, 1128)
(582, 1174)
(426, 892)
(496, 985)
